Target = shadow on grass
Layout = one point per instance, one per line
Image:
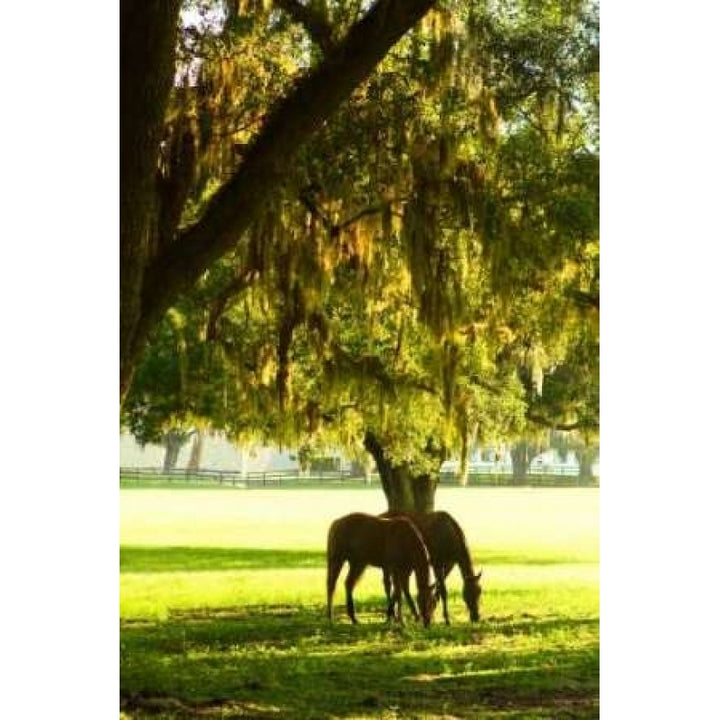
(289, 662)
(153, 559)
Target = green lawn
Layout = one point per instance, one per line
(222, 610)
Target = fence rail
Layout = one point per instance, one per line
(237, 478)
(492, 469)
(548, 475)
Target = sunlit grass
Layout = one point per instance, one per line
(554, 523)
(508, 588)
(222, 609)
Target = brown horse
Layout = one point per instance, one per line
(393, 544)
(447, 546)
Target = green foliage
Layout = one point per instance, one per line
(417, 272)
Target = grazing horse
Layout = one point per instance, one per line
(447, 546)
(393, 544)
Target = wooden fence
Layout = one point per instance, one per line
(269, 478)
(545, 476)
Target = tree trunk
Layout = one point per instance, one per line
(469, 437)
(367, 467)
(147, 64)
(586, 457)
(404, 490)
(174, 441)
(522, 454)
(424, 487)
(462, 472)
(149, 285)
(195, 452)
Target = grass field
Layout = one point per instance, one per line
(222, 610)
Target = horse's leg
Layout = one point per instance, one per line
(397, 594)
(388, 594)
(441, 574)
(353, 576)
(408, 596)
(334, 565)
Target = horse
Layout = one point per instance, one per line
(447, 546)
(393, 544)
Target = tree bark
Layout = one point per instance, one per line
(462, 472)
(174, 442)
(150, 285)
(195, 452)
(586, 457)
(367, 468)
(469, 437)
(522, 454)
(424, 487)
(147, 64)
(404, 490)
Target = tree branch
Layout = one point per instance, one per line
(371, 366)
(290, 124)
(372, 210)
(239, 283)
(316, 25)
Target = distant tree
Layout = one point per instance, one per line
(522, 453)
(174, 440)
(195, 452)
(585, 448)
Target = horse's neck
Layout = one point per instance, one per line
(422, 573)
(464, 559)
(465, 562)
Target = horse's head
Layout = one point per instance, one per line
(471, 595)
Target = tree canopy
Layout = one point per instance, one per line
(368, 226)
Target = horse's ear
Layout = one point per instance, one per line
(479, 575)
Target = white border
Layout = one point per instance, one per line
(59, 227)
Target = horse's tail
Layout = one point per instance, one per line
(334, 565)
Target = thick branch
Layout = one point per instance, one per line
(290, 124)
(239, 283)
(316, 25)
(372, 210)
(372, 367)
(318, 214)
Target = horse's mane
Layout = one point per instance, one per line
(467, 560)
